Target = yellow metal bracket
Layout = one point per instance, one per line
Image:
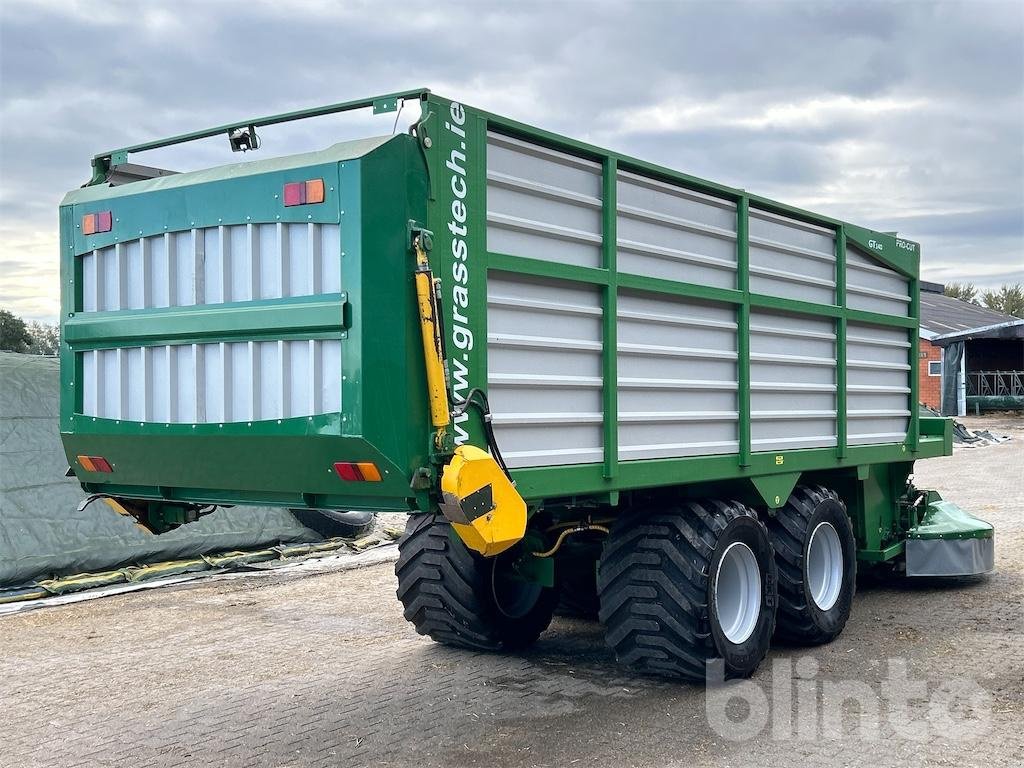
(481, 503)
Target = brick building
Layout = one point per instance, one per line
(990, 342)
(930, 374)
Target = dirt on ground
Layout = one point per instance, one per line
(322, 670)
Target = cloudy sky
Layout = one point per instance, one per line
(903, 116)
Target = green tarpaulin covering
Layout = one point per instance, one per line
(41, 532)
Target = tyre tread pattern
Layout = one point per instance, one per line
(653, 586)
(446, 592)
(787, 530)
(438, 584)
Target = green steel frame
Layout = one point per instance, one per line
(423, 185)
(876, 474)
(287, 461)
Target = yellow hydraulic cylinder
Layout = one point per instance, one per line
(477, 498)
(432, 347)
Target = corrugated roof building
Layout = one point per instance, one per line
(972, 358)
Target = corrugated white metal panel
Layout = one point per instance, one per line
(878, 384)
(677, 366)
(542, 204)
(672, 233)
(791, 259)
(792, 381)
(544, 370)
(873, 287)
(213, 266)
(213, 383)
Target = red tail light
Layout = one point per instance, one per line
(97, 222)
(363, 471)
(95, 464)
(304, 192)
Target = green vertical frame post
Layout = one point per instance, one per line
(71, 304)
(441, 134)
(477, 126)
(743, 327)
(352, 184)
(913, 435)
(610, 363)
(841, 412)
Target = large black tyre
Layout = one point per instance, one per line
(331, 523)
(458, 598)
(815, 591)
(658, 582)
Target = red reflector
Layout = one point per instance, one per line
(95, 464)
(348, 471)
(295, 193)
(304, 192)
(101, 464)
(97, 222)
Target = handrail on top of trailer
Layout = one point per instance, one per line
(102, 162)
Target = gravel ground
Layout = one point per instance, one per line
(321, 670)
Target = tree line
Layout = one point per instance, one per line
(1009, 299)
(30, 338)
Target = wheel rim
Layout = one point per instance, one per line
(824, 566)
(738, 592)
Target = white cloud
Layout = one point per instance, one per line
(904, 116)
(737, 111)
(31, 274)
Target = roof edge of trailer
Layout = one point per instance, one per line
(346, 150)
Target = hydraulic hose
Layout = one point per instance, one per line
(478, 398)
(568, 531)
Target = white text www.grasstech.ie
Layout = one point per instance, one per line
(462, 336)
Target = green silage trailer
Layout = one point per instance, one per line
(688, 409)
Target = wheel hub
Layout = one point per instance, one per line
(824, 566)
(738, 592)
